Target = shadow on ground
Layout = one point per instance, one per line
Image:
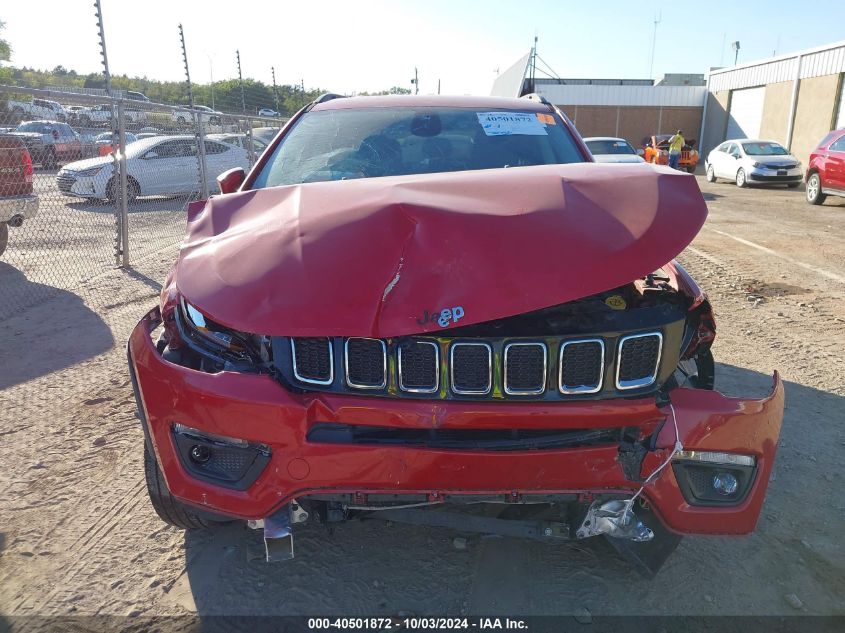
(383, 569)
(76, 332)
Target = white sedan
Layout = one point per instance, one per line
(157, 166)
(609, 149)
(753, 162)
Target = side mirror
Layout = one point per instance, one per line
(230, 180)
(641, 152)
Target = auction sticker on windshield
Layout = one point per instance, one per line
(507, 123)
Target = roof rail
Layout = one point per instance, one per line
(328, 96)
(533, 96)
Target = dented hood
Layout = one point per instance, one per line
(377, 257)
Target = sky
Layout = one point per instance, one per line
(369, 45)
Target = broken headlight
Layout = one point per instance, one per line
(217, 341)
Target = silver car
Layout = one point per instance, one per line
(609, 149)
(753, 162)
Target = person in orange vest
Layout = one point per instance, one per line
(676, 144)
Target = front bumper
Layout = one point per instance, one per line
(258, 409)
(775, 177)
(24, 206)
(71, 184)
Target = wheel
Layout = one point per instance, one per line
(50, 161)
(133, 190)
(690, 169)
(792, 185)
(711, 175)
(4, 237)
(740, 178)
(814, 190)
(167, 508)
(181, 120)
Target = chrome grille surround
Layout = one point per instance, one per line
(470, 392)
(645, 381)
(526, 392)
(349, 381)
(436, 386)
(581, 389)
(313, 381)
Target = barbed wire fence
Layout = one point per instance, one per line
(91, 179)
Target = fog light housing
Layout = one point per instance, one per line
(725, 483)
(224, 461)
(714, 478)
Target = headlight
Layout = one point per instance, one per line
(91, 171)
(757, 165)
(221, 341)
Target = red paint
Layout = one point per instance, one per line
(368, 257)
(257, 409)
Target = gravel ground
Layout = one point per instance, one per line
(79, 536)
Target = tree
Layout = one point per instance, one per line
(5, 49)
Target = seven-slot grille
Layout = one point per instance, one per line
(522, 368)
(525, 368)
(639, 356)
(313, 361)
(65, 182)
(419, 366)
(581, 366)
(471, 368)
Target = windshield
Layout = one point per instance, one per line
(610, 146)
(371, 142)
(764, 149)
(33, 127)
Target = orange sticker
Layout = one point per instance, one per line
(546, 119)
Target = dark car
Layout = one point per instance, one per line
(51, 143)
(825, 174)
(439, 310)
(17, 200)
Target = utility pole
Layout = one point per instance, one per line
(302, 88)
(241, 81)
(416, 81)
(275, 91)
(99, 13)
(534, 64)
(735, 46)
(658, 18)
(438, 86)
(211, 73)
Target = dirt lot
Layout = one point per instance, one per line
(79, 536)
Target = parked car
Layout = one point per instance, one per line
(608, 149)
(73, 113)
(206, 115)
(137, 96)
(240, 140)
(753, 162)
(412, 301)
(104, 114)
(656, 151)
(163, 165)
(50, 143)
(826, 170)
(18, 202)
(106, 141)
(265, 134)
(141, 135)
(38, 109)
(268, 112)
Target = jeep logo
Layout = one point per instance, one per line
(442, 317)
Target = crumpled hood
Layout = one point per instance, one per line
(378, 256)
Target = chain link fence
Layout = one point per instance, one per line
(88, 183)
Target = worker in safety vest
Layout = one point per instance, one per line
(676, 144)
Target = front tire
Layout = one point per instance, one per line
(741, 182)
(4, 237)
(711, 175)
(133, 190)
(165, 505)
(814, 190)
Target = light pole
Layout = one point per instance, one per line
(211, 73)
(735, 46)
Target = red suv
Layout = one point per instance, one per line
(826, 170)
(17, 200)
(441, 311)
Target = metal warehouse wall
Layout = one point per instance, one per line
(813, 76)
(623, 95)
(634, 123)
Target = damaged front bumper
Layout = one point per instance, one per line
(265, 428)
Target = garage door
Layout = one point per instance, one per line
(746, 113)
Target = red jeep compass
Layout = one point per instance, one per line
(440, 311)
(826, 169)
